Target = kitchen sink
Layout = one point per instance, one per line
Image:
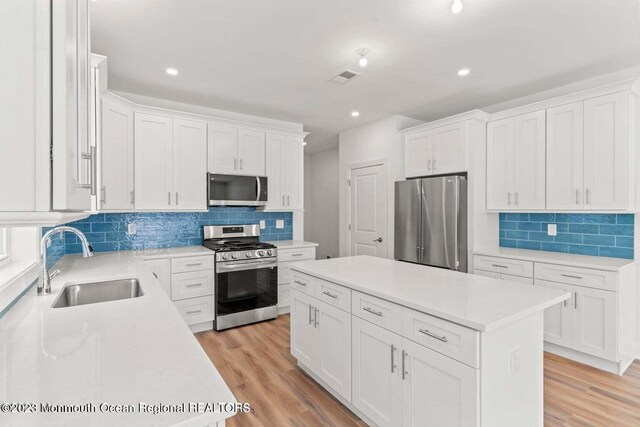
(95, 292)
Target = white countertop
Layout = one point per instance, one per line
(584, 261)
(292, 244)
(173, 252)
(118, 352)
(478, 302)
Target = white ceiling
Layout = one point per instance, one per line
(273, 58)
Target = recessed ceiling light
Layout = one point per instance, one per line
(172, 71)
(355, 114)
(456, 7)
(464, 72)
(363, 52)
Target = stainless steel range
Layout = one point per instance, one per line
(246, 275)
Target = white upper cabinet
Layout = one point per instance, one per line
(565, 157)
(276, 193)
(189, 164)
(116, 155)
(235, 151)
(606, 152)
(440, 150)
(222, 141)
(284, 170)
(516, 163)
(153, 162)
(251, 152)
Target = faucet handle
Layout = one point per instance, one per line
(53, 274)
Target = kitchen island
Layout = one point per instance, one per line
(125, 362)
(406, 344)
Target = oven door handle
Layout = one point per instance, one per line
(259, 188)
(227, 268)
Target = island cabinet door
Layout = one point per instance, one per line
(377, 382)
(437, 390)
(558, 318)
(594, 322)
(304, 342)
(333, 359)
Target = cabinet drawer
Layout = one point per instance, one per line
(334, 294)
(588, 277)
(378, 311)
(484, 273)
(456, 341)
(304, 283)
(517, 279)
(191, 285)
(195, 263)
(196, 310)
(296, 255)
(504, 265)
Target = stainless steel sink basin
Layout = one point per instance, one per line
(95, 292)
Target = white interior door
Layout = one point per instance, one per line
(251, 151)
(222, 143)
(499, 164)
(153, 161)
(565, 157)
(368, 211)
(189, 165)
(529, 161)
(606, 152)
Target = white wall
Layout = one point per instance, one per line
(321, 201)
(374, 141)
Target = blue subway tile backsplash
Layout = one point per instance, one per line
(608, 235)
(108, 232)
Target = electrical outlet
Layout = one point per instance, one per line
(279, 223)
(131, 228)
(552, 229)
(263, 224)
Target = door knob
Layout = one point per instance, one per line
(379, 240)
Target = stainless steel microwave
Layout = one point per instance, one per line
(236, 190)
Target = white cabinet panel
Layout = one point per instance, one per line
(116, 155)
(558, 319)
(189, 165)
(251, 152)
(418, 152)
(153, 161)
(565, 157)
(606, 152)
(161, 269)
(594, 322)
(333, 362)
(499, 164)
(222, 142)
(529, 161)
(436, 389)
(449, 152)
(293, 173)
(276, 198)
(377, 381)
(304, 342)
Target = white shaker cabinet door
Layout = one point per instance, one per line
(153, 161)
(116, 154)
(161, 270)
(606, 153)
(377, 381)
(565, 180)
(594, 322)
(449, 151)
(251, 152)
(529, 161)
(189, 165)
(558, 318)
(418, 153)
(276, 197)
(437, 390)
(304, 341)
(222, 144)
(500, 164)
(334, 351)
(292, 181)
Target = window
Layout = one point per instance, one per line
(4, 246)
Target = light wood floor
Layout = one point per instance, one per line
(256, 364)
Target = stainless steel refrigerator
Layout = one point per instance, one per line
(431, 221)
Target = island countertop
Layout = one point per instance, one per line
(121, 352)
(478, 302)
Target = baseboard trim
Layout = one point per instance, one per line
(284, 310)
(617, 368)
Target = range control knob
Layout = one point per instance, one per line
(225, 256)
(260, 253)
(270, 252)
(234, 255)
(248, 254)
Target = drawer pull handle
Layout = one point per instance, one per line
(194, 311)
(297, 254)
(194, 264)
(310, 313)
(372, 311)
(193, 285)
(393, 362)
(155, 275)
(404, 369)
(329, 294)
(432, 335)
(500, 266)
(300, 283)
(572, 277)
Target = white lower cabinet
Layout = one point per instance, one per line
(558, 319)
(286, 259)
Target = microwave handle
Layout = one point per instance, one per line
(259, 188)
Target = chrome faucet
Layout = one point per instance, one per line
(87, 251)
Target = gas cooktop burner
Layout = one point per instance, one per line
(237, 242)
(236, 246)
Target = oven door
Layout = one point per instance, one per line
(237, 190)
(246, 285)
